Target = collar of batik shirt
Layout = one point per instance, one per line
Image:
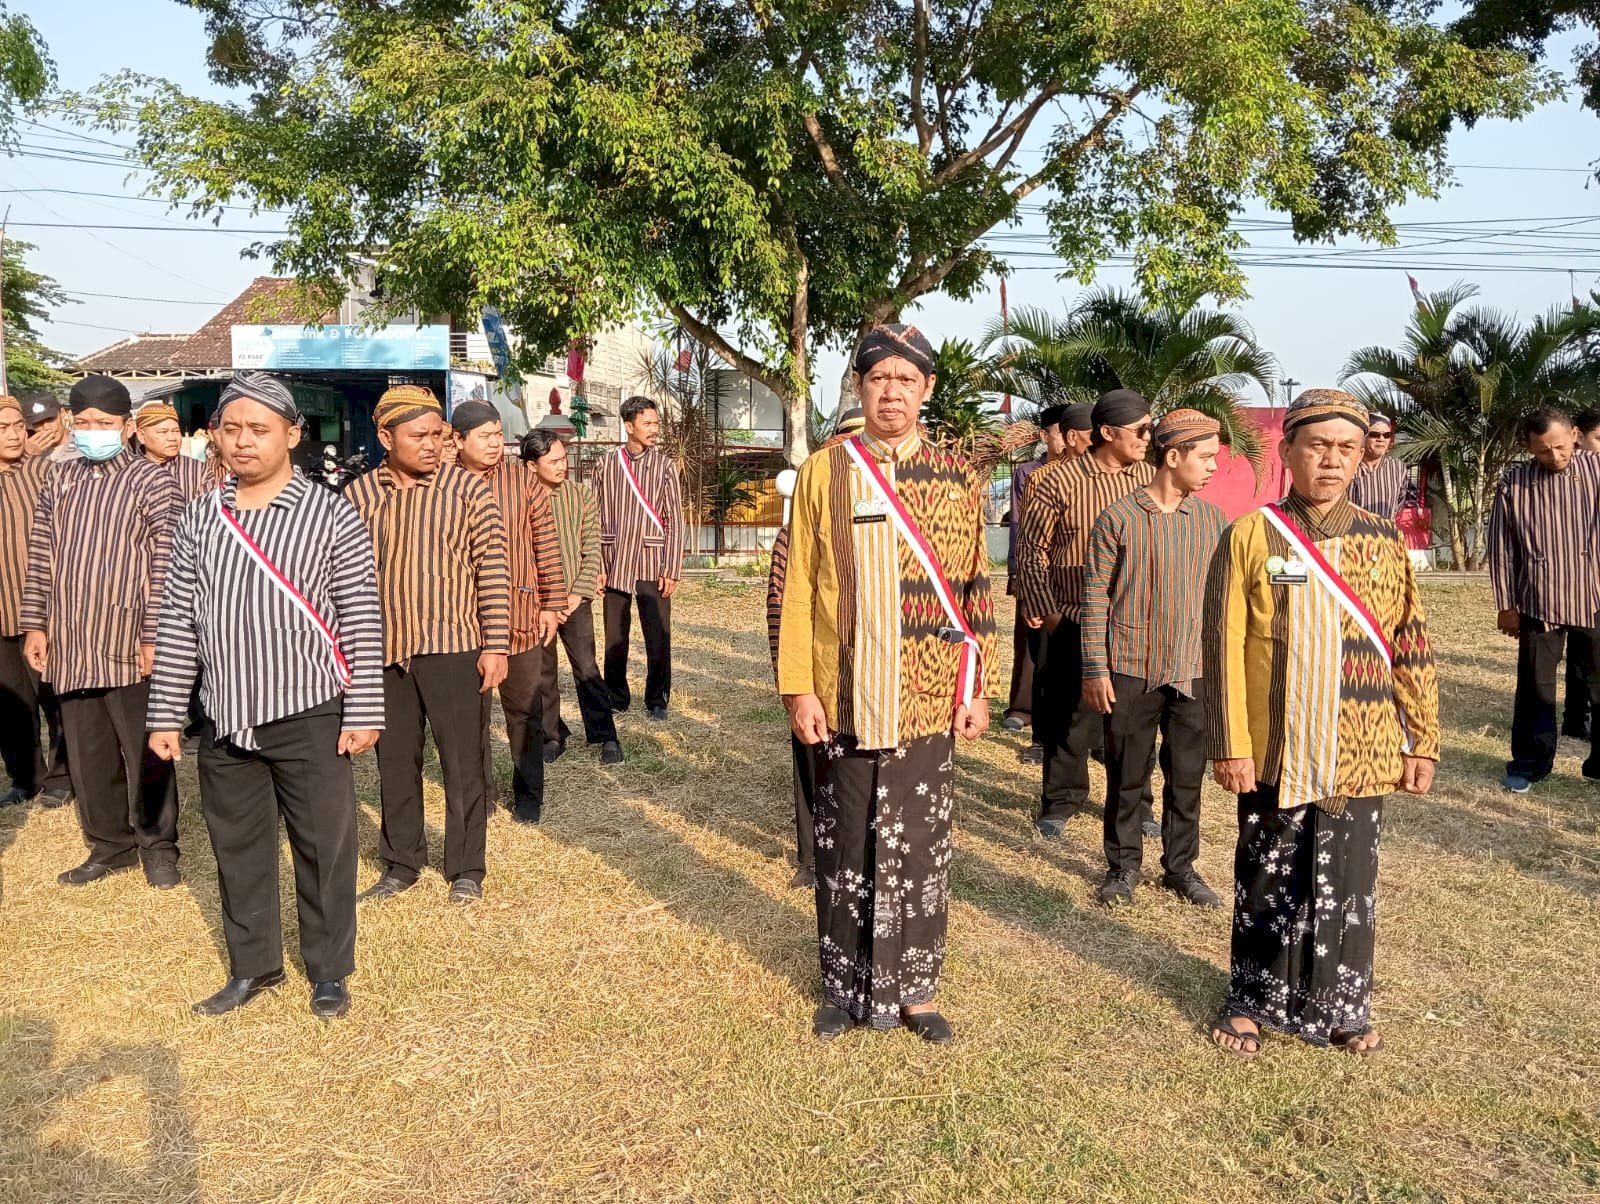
(287, 496)
(1333, 523)
(886, 454)
(1142, 496)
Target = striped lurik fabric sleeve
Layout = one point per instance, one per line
(1223, 648)
(487, 542)
(1504, 551)
(1041, 514)
(41, 563)
(546, 548)
(776, 576)
(1100, 565)
(177, 663)
(672, 498)
(358, 618)
(588, 582)
(164, 504)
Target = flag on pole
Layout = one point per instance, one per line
(685, 358)
(575, 362)
(1416, 290)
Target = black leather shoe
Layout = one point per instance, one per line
(90, 871)
(1191, 888)
(525, 813)
(50, 800)
(386, 887)
(163, 875)
(611, 753)
(930, 1026)
(1117, 889)
(553, 750)
(1050, 827)
(1032, 755)
(831, 1022)
(658, 713)
(464, 892)
(237, 992)
(329, 1000)
(1151, 829)
(15, 797)
(805, 878)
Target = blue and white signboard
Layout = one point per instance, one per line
(385, 349)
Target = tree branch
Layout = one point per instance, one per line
(919, 68)
(1012, 130)
(708, 336)
(819, 138)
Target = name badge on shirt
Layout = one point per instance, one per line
(870, 510)
(1286, 572)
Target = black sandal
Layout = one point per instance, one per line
(1224, 1025)
(1347, 1042)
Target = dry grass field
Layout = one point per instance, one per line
(626, 1015)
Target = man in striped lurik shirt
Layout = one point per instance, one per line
(441, 555)
(538, 592)
(21, 690)
(1064, 499)
(577, 520)
(1380, 483)
(1545, 569)
(160, 439)
(271, 591)
(97, 556)
(641, 538)
(1143, 592)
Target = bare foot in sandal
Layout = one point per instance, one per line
(1237, 1035)
(1363, 1044)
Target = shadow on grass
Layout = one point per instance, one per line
(59, 1167)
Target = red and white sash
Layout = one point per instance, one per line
(1328, 577)
(638, 492)
(283, 583)
(969, 674)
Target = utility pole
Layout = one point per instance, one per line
(1288, 384)
(4, 222)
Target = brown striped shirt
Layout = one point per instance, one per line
(1542, 558)
(533, 557)
(194, 477)
(634, 548)
(441, 555)
(577, 517)
(97, 557)
(19, 493)
(1144, 588)
(1063, 500)
(1378, 488)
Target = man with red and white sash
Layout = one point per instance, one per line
(641, 544)
(885, 635)
(1320, 700)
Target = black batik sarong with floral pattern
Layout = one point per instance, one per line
(882, 825)
(1304, 912)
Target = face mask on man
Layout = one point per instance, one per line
(97, 445)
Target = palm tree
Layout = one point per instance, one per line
(1462, 381)
(957, 415)
(1178, 356)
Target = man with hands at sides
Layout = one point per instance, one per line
(272, 599)
(885, 629)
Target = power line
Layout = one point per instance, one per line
(64, 225)
(117, 196)
(153, 300)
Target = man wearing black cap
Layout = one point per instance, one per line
(538, 593)
(1063, 502)
(47, 433)
(97, 557)
(271, 591)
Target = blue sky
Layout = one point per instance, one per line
(1311, 317)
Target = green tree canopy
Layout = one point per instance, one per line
(26, 72)
(1528, 25)
(780, 174)
(1461, 382)
(29, 295)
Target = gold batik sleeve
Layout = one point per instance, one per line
(977, 606)
(1416, 683)
(1225, 630)
(796, 629)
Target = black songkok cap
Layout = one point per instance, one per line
(1120, 407)
(470, 415)
(100, 393)
(891, 339)
(1051, 416)
(1078, 417)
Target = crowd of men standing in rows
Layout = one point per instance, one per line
(286, 627)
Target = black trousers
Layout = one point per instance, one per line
(805, 793)
(127, 796)
(441, 691)
(1020, 700)
(296, 772)
(655, 616)
(523, 705)
(576, 635)
(1533, 715)
(1063, 724)
(22, 697)
(1136, 717)
(1580, 668)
